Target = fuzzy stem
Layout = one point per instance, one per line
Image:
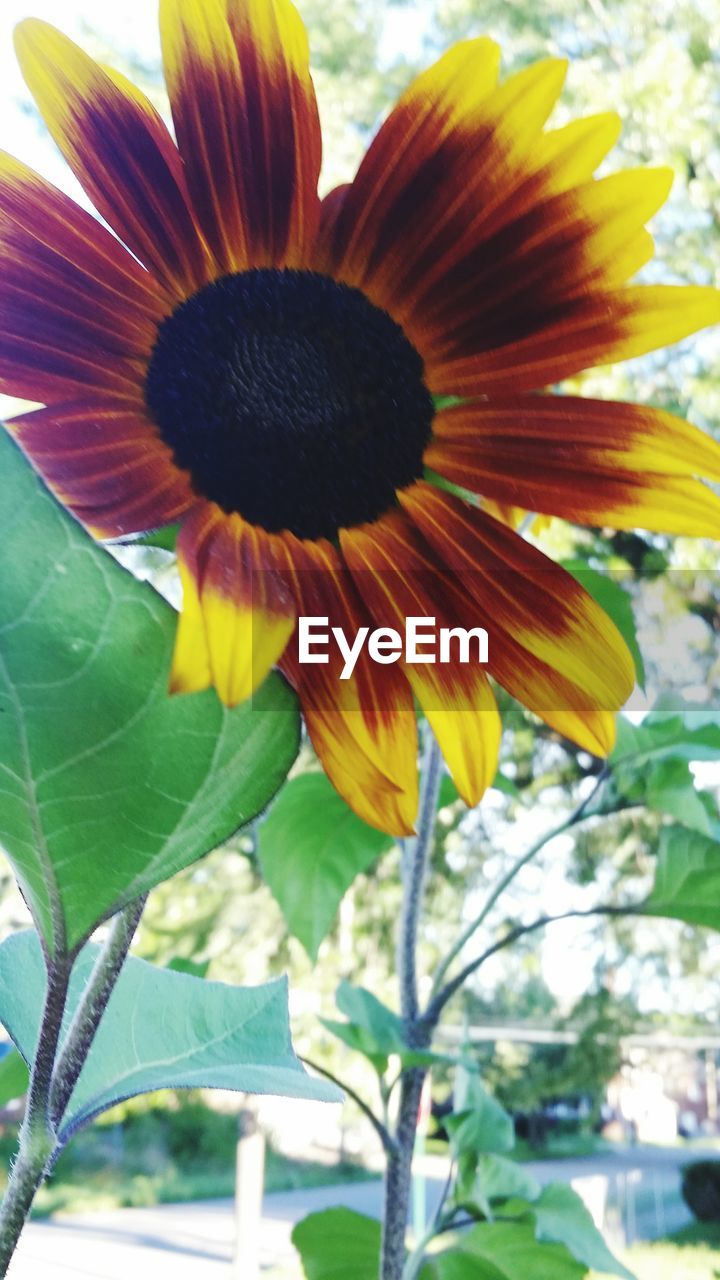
(55, 1073)
(89, 1012)
(398, 1175)
(37, 1136)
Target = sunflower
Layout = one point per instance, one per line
(333, 396)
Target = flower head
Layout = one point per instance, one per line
(264, 366)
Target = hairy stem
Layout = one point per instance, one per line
(37, 1136)
(92, 1006)
(398, 1175)
(55, 1072)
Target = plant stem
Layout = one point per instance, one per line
(446, 993)
(416, 853)
(55, 1074)
(417, 1257)
(381, 1129)
(398, 1175)
(89, 1012)
(37, 1136)
(516, 867)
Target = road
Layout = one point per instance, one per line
(195, 1241)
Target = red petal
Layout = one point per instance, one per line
(549, 644)
(105, 461)
(399, 577)
(119, 149)
(589, 461)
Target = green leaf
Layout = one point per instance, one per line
(165, 537)
(338, 1244)
(372, 1029)
(161, 1030)
(687, 878)
(562, 1218)
(495, 1178)
(107, 785)
(375, 1031)
(616, 603)
(503, 1251)
(479, 1124)
(311, 847)
(14, 1077)
(451, 1264)
(686, 734)
(670, 788)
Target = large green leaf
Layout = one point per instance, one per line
(491, 1178)
(338, 1244)
(312, 846)
(160, 1030)
(479, 1124)
(687, 879)
(107, 785)
(562, 1218)
(670, 788)
(651, 764)
(503, 1251)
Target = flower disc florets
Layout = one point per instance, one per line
(291, 399)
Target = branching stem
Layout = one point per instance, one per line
(381, 1129)
(55, 1072)
(37, 1136)
(87, 1016)
(580, 812)
(438, 1003)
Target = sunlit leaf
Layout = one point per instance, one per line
(161, 1030)
(108, 785)
(338, 1244)
(687, 879)
(311, 848)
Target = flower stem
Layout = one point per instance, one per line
(55, 1072)
(398, 1175)
(37, 1136)
(89, 1012)
(516, 867)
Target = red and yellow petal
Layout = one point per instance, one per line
(588, 461)
(363, 727)
(398, 577)
(77, 312)
(238, 612)
(452, 131)
(550, 644)
(558, 160)
(120, 150)
(247, 126)
(104, 460)
(583, 332)
(591, 237)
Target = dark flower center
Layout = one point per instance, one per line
(290, 399)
